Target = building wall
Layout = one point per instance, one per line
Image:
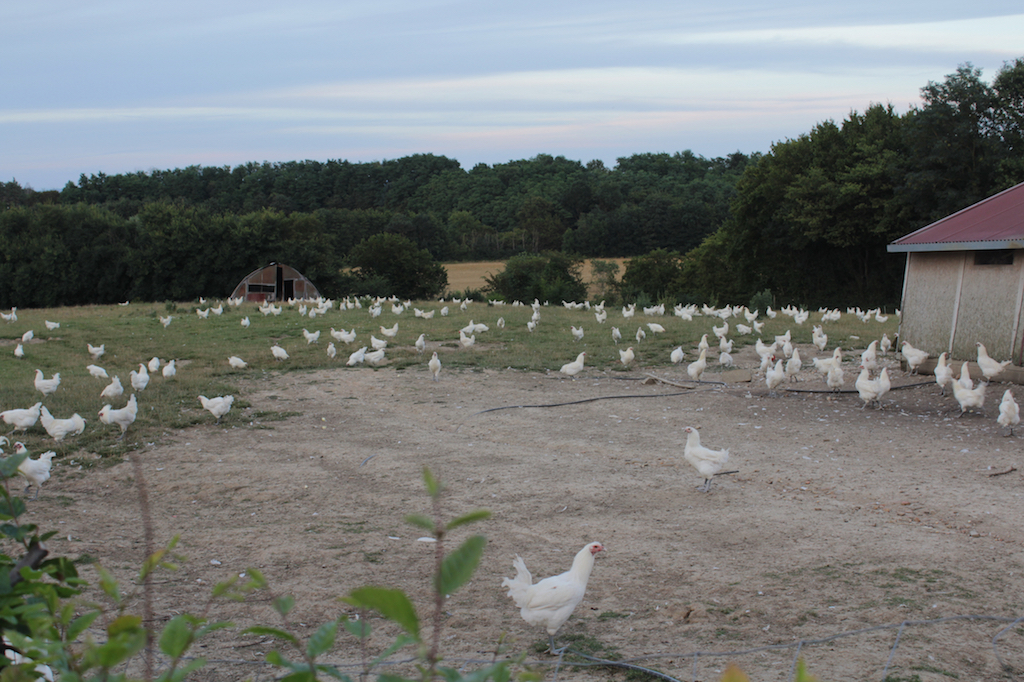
(950, 303)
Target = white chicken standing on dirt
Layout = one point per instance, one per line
(943, 373)
(59, 429)
(913, 356)
(869, 358)
(989, 367)
(434, 365)
(793, 365)
(1009, 412)
(551, 601)
(627, 356)
(218, 406)
(774, 377)
(575, 367)
(35, 471)
(696, 368)
(872, 390)
(706, 461)
(123, 417)
(46, 386)
(676, 356)
(969, 399)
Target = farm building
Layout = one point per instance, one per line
(964, 280)
(275, 282)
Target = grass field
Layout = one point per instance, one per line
(462, 276)
(133, 334)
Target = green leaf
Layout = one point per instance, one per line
(392, 604)
(433, 485)
(357, 628)
(125, 623)
(9, 465)
(271, 632)
(80, 625)
(322, 640)
(284, 604)
(420, 521)
(471, 517)
(176, 637)
(458, 567)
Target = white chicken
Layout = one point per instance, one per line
(96, 351)
(332, 350)
(835, 377)
(245, 322)
(676, 356)
(696, 368)
(703, 344)
(169, 370)
(378, 344)
(725, 359)
(943, 373)
(706, 461)
(969, 399)
(794, 365)
(278, 352)
(154, 364)
(640, 334)
(390, 332)
(28, 336)
(774, 377)
(123, 417)
(35, 471)
(914, 356)
(627, 356)
(655, 328)
(466, 341)
(989, 367)
(421, 343)
(577, 333)
(166, 321)
(51, 325)
(375, 357)
(575, 367)
(311, 337)
(203, 314)
(140, 379)
(59, 429)
(869, 358)
(97, 371)
(434, 365)
(22, 419)
(725, 345)
(965, 377)
(551, 601)
(1009, 412)
(218, 406)
(871, 390)
(885, 344)
(357, 357)
(616, 335)
(237, 362)
(819, 338)
(46, 386)
(19, 351)
(113, 389)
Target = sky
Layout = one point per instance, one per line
(119, 86)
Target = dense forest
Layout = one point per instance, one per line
(808, 221)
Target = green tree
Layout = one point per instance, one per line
(551, 276)
(393, 259)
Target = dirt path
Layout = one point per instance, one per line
(839, 518)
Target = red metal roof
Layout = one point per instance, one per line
(996, 222)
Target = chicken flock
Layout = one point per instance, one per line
(548, 603)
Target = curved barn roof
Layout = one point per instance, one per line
(275, 282)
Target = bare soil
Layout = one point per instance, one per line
(840, 518)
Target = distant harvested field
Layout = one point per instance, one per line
(462, 276)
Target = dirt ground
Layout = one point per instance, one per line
(840, 518)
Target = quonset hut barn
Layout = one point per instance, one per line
(964, 280)
(275, 282)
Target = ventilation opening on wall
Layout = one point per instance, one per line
(997, 257)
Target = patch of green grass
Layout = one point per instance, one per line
(924, 667)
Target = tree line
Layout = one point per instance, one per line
(808, 221)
